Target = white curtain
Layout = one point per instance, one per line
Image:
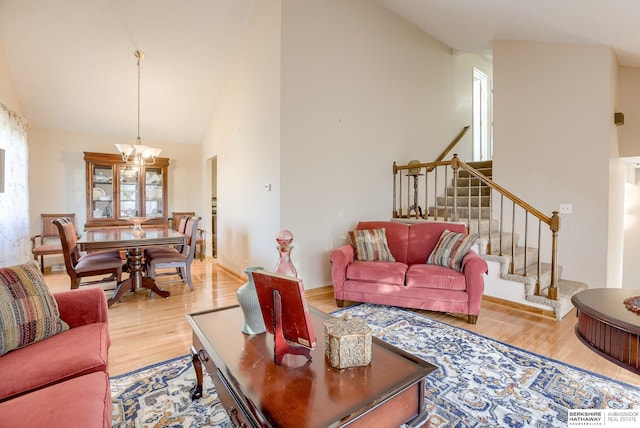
(15, 246)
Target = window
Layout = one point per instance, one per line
(482, 139)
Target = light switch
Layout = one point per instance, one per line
(566, 208)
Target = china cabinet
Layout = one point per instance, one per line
(117, 192)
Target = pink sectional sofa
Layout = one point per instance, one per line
(61, 381)
(409, 282)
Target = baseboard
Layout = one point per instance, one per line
(241, 277)
(520, 306)
(54, 267)
(327, 289)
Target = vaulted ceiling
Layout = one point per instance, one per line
(73, 66)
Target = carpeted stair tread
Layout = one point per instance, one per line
(562, 306)
(463, 201)
(463, 212)
(470, 182)
(473, 209)
(465, 191)
(486, 171)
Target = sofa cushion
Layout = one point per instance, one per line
(451, 249)
(28, 311)
(397, 236)
(424, 236)
(381, 272)
(434, 276)
(72, 353)
(84, 401)
(371, 245)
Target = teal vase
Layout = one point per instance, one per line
(248, 300)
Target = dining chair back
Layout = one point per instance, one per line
(48, 241)
(179, 248)
(79, 266)
(174, 259)
(177, 218)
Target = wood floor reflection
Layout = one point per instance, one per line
(146, 330)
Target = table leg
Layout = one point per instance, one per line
(196, 391)
(136, 280)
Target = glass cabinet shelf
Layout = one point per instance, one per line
(117, 191)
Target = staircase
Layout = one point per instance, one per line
(512, 244)
(515, 273)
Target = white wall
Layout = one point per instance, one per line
(322, 99)
(8, 95)
(629, 138)
(361, 88)
(617, 177)
(631, 267)
(629, 104)
(553, 141)
(245, 136)
(57, 171)
(464, 64)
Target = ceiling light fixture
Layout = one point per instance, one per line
(138, 154)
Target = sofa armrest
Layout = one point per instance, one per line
(82, 306)
(340, 258)
(474, 267)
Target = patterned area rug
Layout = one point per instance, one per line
(159, 396)
(479, 382)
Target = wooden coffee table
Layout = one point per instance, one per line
(257, 392)
(607, 327)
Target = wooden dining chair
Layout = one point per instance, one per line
(80, 266)
(48, 243)
(176, 221)
(174, 259)
(181, 228)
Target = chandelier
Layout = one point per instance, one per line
(138, 154)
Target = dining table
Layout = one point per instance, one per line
(133, 242)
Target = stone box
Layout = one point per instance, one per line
(347, 342)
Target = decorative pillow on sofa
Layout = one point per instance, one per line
(28, 311)
(371, 245)
(451, 249)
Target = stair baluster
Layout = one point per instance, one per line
(435, 206)
(526, 241)
(513, 238)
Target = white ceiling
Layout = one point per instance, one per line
(73, 66)
(471, 25)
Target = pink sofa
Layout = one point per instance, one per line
(409, 282)
(61, 381)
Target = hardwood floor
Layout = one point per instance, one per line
(147, 330)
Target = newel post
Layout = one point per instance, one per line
(455, 165)
(395, 174)
(554, 225)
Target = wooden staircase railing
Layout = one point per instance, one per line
(424, 187)
(452, 144)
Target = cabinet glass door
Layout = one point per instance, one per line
(102, 192)
(153, 193)
(129, 192)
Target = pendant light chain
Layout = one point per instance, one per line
(139, 55)
(138, 154)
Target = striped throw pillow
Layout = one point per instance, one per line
(371, 245)
(451, 249)
(28, 311)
